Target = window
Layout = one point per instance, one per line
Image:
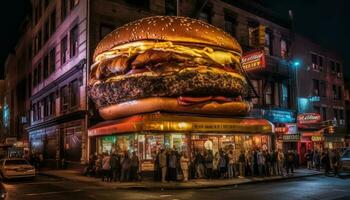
(320, 63)
(74, 93)
(29, 86)
(39, 73)
(335, 114)
(205, 15)
(285, 96)
(64, 50)
(64, 98)
(341, 114)
(73, 3)
(335, 94)
(53, 22)
(339, 97)
(105, 29)
(38, 110)
(332, 66)
(316, 89)
(64, 9)
(268, 94)
(314, 61)
(46, 31)
(74, 41)
(46, 66)
(52, 104)
(284, 49)
(230, 24)
(268, 43)
(139, 3)
(323, 89)
(324, 113)
(52, 60)
(46, 106)
(170, 7)
(255, 84)
(35, 79)
(34, 112)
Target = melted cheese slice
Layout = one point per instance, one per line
(134, 48)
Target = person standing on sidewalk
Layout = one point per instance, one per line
(261, 162)
(126, 164)
(290, 161)
(308, 159)
(216, 165)
(326, 162)
(209, 164)
(280, 162)
(106, 167)
(134, 167)
(184, 162)
(163, 164)
(242, 164)
(222, 165)
(317, 160)
(231, 164)
(336, 162)
(115, 167)
(172, 166)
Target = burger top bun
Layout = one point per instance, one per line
(168, 28)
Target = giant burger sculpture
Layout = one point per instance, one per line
(171, 64)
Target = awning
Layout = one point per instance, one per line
(166, 122)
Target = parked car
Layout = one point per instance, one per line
(345, 161)
(16, 168)
(3, 192)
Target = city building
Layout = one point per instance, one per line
(15, 105)
(320, 92)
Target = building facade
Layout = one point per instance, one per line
(320, 91)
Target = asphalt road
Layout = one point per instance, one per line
(311, 188)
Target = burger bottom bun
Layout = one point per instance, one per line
(171, 105)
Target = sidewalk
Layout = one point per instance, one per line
(152, 185)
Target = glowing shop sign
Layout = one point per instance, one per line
(253, 60)
(291, 137)
(309, 118)
(314, 99)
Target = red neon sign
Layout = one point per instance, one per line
(309, 118)
(253, 60)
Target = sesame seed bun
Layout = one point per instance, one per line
(169, 28)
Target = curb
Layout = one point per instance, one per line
(179, 187)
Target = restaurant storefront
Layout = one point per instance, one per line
(147, 134)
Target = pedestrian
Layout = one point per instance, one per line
(157, 169)
(274, 165)
(326, 162)
(163, 164)
(98, 166)
(172, 166)
(209, 164)
(308, 159)
(280, 162)
(199, 165)
(134, 168)
(290, 161)
(106, 167)
(126, 165)
(231, 164)
(261, 162)
(317, 160)
(215, 165)
(184, 162)
(222, 165)
(336, 162)
(115, 167)
(267, 157)
(242, 164)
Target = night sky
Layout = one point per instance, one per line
(326, 22)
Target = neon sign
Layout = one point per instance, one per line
(253, 60)
(309, 118)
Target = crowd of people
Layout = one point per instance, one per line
(172, 165)
(114, 167)
(329, 160)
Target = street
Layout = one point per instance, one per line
(316, 187)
